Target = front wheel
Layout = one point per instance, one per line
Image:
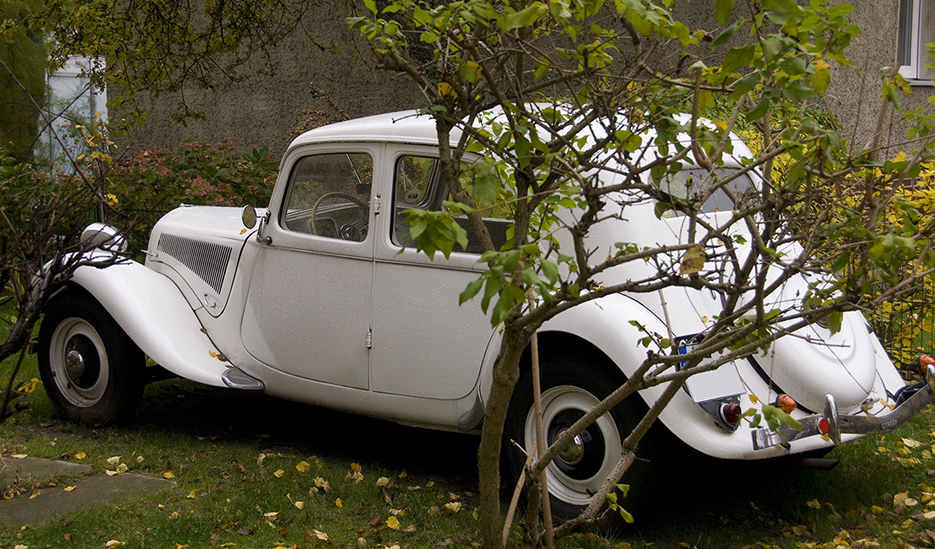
(91, 370)
(571, 386)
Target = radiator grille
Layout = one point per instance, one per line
(208, 261)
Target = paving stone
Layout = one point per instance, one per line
(53, 501)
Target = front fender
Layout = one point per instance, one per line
(157, 317)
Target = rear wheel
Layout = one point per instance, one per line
(571, 386)
(92, 371)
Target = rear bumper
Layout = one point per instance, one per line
(830, 424)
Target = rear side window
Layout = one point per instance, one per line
(418, 185)
(687, 183)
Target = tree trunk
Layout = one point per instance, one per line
(505, 376)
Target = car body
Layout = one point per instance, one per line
(326, 302)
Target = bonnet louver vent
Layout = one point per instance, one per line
(208, 261)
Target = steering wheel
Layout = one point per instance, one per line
(346, 232)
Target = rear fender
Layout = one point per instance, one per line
(157, 317)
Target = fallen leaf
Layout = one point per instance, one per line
(279, 473)
(69, 488)
(302, 466)
(81, 455)
(113, 460)
(18, 456)
(168, 474)
(299, 505)
(814, 504)
(338, 503)
(393, 523)
(320, 535)
(383, 481)
(35, 494)
(191, 495)
(453, 507)
(271, 516)
(114, 543)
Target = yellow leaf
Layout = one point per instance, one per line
(18, 456)
(302, 466)
(272, 516)
(693, 260)
(338, 503)
(180, 546)
(445, 89)
(453, 507)
(168, 474)
(299, 505)
(383, 481)
(191, 495)
(113, 460)
(929, 515)
(754, 399)
(430, 483)
(911, 443)
(813, 504)
(876, 509)
(114, 543)
(122, 468)
(393, 523)
(321, 535)
(356, 467)
(35, 494)
(278, 473)
(110, 473)
(69, 488)
(80, 455)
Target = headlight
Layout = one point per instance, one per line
(105, 237)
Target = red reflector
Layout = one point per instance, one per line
(731, 413)
(823, 426)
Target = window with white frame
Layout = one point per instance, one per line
(916, 29)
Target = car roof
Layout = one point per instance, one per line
(396, 127)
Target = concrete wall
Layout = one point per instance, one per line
(266, 111)
(855, 95)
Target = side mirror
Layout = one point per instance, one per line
(249, 217)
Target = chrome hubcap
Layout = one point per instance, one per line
(74, 363)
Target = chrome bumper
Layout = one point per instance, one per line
(832, 425)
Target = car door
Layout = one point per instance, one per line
(424, 344)
(308, 308)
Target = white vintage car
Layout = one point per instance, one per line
(326, 302)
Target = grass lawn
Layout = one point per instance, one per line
(252, 471)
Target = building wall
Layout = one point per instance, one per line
(855, 96)
(266, 111)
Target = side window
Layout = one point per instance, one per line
(686, 183)
(329, 196)
(417, 185)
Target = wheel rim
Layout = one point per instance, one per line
(78, 361)
(581, 468)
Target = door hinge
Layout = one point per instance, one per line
(369, 339)
(376, 204)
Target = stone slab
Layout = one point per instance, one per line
(54, 501)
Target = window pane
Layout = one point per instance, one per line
(330, 196)
(688, 183)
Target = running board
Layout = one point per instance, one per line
(235, 378)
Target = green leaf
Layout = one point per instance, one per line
(722, 10)
(738, 57)
(470, 291)
(523, 18)
(371, 5)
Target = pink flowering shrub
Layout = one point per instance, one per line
(154, 181)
